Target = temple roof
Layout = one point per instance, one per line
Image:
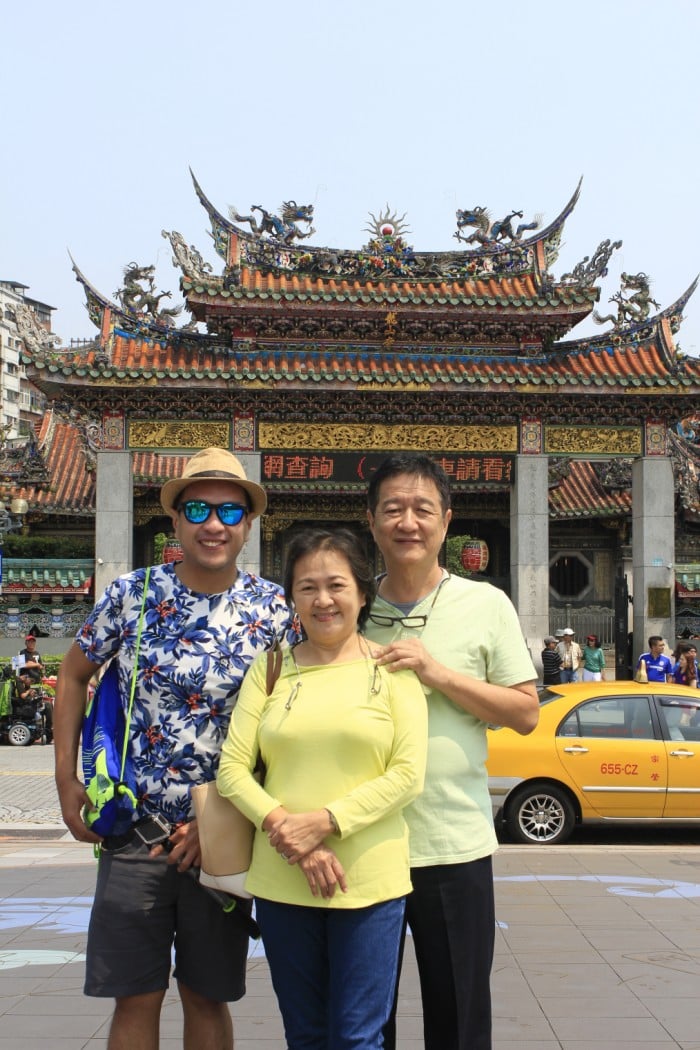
(68, 470)
(581, 494)
(494, 252)
(69, 485)
(278, 345)
(490, 288)
(640, 363)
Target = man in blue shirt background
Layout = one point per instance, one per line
(659, 667)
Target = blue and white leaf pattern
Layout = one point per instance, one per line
(194, 652)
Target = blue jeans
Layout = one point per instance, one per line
(333, 970)
(568, 675)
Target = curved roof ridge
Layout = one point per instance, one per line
(214, 213)
(628, 332)
(561, 218)
(229, 227)
(681, 302)
(144, 324)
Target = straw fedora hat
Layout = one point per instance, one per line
(213, 464)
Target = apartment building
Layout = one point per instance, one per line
(21, 404)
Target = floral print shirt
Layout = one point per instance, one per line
(195, 650)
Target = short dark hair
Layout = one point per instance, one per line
(342, 541)
(418, 466)
(653, 639)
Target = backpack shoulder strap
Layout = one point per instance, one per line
(274, 666)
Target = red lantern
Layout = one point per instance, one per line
(172, 551)
(475, 555)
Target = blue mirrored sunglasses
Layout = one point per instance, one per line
(197, 511)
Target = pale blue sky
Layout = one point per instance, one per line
(426, 107)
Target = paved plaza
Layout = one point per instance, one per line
(597, 947)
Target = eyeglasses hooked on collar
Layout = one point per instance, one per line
(414, 623)
(197, 511)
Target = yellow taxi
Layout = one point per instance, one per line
(602, 751)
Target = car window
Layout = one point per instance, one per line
(681, 716)
(546, 694)
(626, 717)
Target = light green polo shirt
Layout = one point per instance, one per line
(473, 628)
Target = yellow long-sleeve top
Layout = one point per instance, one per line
(336, 745)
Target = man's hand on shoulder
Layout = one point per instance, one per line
(411, 654)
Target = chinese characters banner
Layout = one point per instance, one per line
(356, 467)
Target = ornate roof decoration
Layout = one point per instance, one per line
(188, 259)
(684, 446)
(615, 474)
(282, 227)
(22, 464)
(488, 233)
(386, 254)
(36, 338)
(634, 302)
(588, 271)
(558, 470)
(387, 326)
(138, 313)
(657, 331)
(502, 251)
(387, 224)
(138, 296)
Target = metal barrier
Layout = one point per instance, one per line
(592, 619)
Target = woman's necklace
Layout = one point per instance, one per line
(373, 674)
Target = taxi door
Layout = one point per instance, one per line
(681, 717)
(609, 749)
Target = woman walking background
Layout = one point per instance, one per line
(344, 747)
(593, 660)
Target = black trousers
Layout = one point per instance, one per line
(451, 914)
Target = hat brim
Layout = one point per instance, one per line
(170, 493)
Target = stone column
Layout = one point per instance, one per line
(529, 550)
(114, 518)
(653, 555)
(250, 557)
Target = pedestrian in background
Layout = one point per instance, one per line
(571, 656)
(551, 662)
(658, 666)
(593, 660)
(33, 664)
(685, 666)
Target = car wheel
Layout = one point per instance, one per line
(540, 813)
(19, 734)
